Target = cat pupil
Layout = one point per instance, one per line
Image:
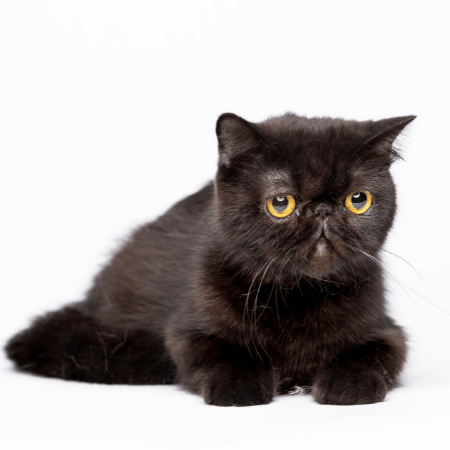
(280, 203)
(359, 200)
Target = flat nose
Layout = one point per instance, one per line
(323, 210)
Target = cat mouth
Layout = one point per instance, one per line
(325, 230)
(322, 247)
(320, 256)
(322, 236)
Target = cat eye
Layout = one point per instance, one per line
(281, 205)
(359, 202)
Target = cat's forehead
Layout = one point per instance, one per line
(314, 156)
(321, 133)
(329, 182)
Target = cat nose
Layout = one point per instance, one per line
(323, 210)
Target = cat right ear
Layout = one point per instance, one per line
(235, 136)
(381, 135)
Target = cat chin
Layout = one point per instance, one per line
(323, 259)
(324, 272)
(319, 268)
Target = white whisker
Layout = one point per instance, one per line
(401, 284)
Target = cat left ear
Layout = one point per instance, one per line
(383, 133)
(235, 136)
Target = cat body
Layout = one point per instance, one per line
(236, 301)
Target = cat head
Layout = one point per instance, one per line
(305, 196)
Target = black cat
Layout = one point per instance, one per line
(264, 280)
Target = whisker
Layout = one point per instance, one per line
(410, 265)
(259, 288)
(246, 310)
(283, 264)
(253, 317)
(389, 273)
(401, 284)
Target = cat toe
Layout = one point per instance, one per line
(244, 388)
(349, 388)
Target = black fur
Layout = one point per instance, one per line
(235, 304)
(71, 345)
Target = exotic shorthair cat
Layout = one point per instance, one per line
(265, 280)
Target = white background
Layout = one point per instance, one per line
(107, 115)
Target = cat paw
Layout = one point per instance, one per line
(239, 387)
(346, 386)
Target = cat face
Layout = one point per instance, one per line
(307, 196)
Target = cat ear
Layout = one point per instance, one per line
(381, 134)
(235, 136)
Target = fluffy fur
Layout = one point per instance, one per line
(235, 304)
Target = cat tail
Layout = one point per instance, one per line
(71, 345)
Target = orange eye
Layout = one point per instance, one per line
(359, 202)
(281, 205)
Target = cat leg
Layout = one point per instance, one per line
(362, 375)
(224, 374)
(71, 345)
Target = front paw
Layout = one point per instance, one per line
(349, 386)
(239, 387)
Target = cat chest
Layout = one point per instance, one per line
(303, 342)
